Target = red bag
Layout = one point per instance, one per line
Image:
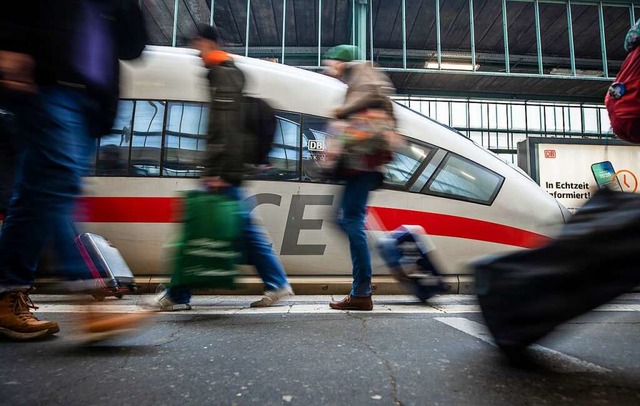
(623, 100)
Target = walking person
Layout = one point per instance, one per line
(365, 117)
(59, 73)
(7, 154)
(227, 147)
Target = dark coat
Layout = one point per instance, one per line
(77, 43)
(227, 135)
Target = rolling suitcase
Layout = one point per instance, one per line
(526, 294)
(107, 266)
(406, 253)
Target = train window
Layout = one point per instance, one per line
(314, 141)
(283, 158)
(406, 161)
(113, 148)
(460, 178)
(431, 167)
(185, 139)
(147, 138)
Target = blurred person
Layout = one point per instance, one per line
(63, 243)
(59, 73)
(7, 154)
(367, 112)
(526, 294)
(225, 169)
(632, 39)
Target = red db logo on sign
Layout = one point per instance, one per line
(549, 153)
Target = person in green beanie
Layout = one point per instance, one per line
(367, 105)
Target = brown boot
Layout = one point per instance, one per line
(104, 326)
(17, 321)
(353, 303)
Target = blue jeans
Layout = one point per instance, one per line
(54, 147)
(259, 251)
(351, 219)
(7, 153)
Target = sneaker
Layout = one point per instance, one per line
(271, 297)
(102, 326)
(18, 323)
(163, 302)
(353, 303)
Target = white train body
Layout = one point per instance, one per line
(134, 212)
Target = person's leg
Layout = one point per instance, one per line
(48, 174)
(353, 210)
(51, 162)
(173, 298)
(8, 149)
(63, 253)
(53, 157)
(260, 254)
(7, 154)
(351, 218)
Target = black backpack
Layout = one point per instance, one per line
(261, 123)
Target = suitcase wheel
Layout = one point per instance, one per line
(119, 295)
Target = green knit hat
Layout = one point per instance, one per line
(344, 53)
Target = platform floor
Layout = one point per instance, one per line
(303, 353)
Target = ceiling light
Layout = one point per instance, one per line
(467, 175)
(451, 66)
(418, 151)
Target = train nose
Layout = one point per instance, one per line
(566, 214)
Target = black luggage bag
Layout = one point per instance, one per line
(407, 256)
(596, 257)
(106, 265)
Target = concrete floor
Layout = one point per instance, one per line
(302, 353)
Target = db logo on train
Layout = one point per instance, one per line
(549, 153)
(315, 145)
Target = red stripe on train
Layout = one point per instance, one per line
(163, 209)
(460, 227)
(128, 209)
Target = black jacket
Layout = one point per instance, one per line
(77, 43)
(227, 136)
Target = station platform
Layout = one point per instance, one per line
(301, 352)
(302, 285)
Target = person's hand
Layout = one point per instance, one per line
(337, 112)
(215, 182)
(16, 72)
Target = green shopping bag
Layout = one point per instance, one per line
(208, 250)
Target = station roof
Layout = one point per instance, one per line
(301, 40)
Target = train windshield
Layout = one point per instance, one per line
(461, 178)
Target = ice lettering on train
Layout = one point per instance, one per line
(263, 198)
(295, 220)
(296, 223)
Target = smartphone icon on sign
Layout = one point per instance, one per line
(606, 176)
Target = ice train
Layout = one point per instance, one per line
(468, 200)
